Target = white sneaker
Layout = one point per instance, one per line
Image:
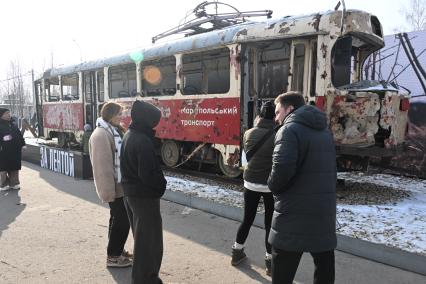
(15, 187)
(4, 188)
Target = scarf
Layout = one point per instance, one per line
(117, 141)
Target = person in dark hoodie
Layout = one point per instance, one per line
(144, 184)
(11, 144)
(258, 144)
(303, 181)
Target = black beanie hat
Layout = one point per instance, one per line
(267, 110)
(145, 114)
(3, 110)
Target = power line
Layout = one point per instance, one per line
(16, 77)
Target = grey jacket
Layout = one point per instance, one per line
(303, 180)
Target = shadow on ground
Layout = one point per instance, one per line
(173, 222)
(10, 208)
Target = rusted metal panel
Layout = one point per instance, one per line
(393, 119)
(210, 120)
(353, 118)
(63, 116)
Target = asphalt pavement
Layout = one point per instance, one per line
(54, 230)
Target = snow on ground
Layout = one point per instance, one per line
(400, 224)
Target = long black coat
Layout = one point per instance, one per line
(11, 143)
(303, 180)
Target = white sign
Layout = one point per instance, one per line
(57, 160)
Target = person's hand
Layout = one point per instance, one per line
(24, 147)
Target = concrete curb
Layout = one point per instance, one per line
(376, 252)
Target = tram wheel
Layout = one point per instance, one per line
(170, 153)
(228, 171)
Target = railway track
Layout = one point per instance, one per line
(213, 177)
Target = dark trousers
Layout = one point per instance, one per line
(251, 201)
(118, 227)
(145, 220)
(285, 263)
(9, 178)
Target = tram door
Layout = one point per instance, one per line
(90, 109)
(268, 68)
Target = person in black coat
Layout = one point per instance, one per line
(303, 181)
(259, 142)
(143, 184)
(11, 143)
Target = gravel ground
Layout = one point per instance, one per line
(351, 193)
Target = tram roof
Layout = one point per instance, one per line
(216, 38)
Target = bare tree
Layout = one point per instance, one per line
(415, 15)
(16, 89)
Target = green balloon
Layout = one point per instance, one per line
(137, 56)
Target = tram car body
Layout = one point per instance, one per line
(209, 87)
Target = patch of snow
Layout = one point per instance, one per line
(401, 224)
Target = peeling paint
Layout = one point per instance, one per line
(316, 21)
(324, 50)
(356, 117)
(235, 61)
(353, 118)
(284, 30)
(271, 26)
(242, 32)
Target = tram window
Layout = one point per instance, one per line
(273, 70)
(87, 88)
(299, 64)
(159, 77)
(53, 90)
(122, 81)
(70, 87)
(206, 72)
(101, 91)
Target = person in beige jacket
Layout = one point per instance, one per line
(104, 151)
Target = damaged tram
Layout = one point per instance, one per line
(210, 85)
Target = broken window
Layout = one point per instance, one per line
(122, 81)
(70, 87)
(52, 90)
(273, 68)
(206, 72)
(298, 68)
(159, 77)
(347, 57)
(341, 61)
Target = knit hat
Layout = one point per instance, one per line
(267, 110)
(145, 114)
(3, 110)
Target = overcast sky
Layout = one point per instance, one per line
(33, 30)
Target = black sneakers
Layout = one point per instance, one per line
(238, 256)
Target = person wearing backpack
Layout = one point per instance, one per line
(258, 145)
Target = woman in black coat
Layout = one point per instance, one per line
(11, 143)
